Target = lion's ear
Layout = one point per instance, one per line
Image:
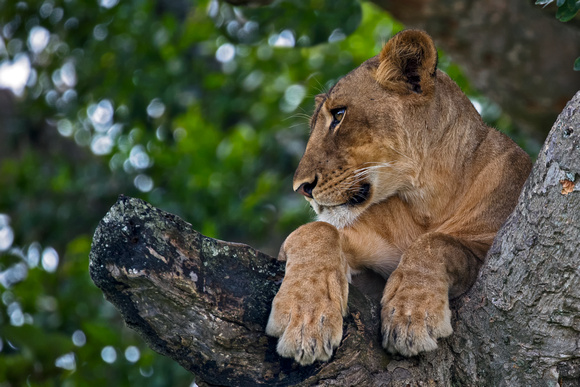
(408, 62)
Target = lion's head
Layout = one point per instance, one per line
(371, 132)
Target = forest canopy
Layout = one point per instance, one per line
(200, 108)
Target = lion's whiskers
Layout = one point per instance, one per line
(351, 183)
(303, 116)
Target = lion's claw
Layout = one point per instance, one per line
(413, 319)
(306, 334)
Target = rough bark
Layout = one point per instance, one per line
(514, 52)
(205, 302)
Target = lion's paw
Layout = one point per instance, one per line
(414, 316)
(307, 312)
(309, 328)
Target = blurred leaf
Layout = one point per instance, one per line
(292, 23)
(567, 10)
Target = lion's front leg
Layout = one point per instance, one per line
(308, 309)
(415, 303)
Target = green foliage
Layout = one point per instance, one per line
(201, 110)
(297, 22)
(567, 9)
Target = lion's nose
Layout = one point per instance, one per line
(307, 187)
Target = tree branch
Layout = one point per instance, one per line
(205, 302)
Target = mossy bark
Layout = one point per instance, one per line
(205, 302)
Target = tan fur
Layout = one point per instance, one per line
(410, 183)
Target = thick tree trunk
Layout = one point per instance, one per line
(205, 302)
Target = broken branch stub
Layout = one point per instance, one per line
(205, 303)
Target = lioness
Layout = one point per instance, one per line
(407, 181)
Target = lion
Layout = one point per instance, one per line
(407, 181)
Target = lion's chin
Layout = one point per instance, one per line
(339, 216)
(344, 214)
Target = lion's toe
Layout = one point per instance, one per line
(307, 342)
(409, 329)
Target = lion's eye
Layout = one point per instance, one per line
(337, 116)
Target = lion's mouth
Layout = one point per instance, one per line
(341, 215)
(361, 196)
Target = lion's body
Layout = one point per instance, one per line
(407, 181)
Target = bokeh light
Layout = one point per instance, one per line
(38, 39)
(14, 74)
(49, 259)
(66, 361)
(225, 53)
(109, 355)
(79, 338)
(156, 108)
(6, 233)
(132, 354)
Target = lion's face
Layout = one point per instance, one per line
(366, 132)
